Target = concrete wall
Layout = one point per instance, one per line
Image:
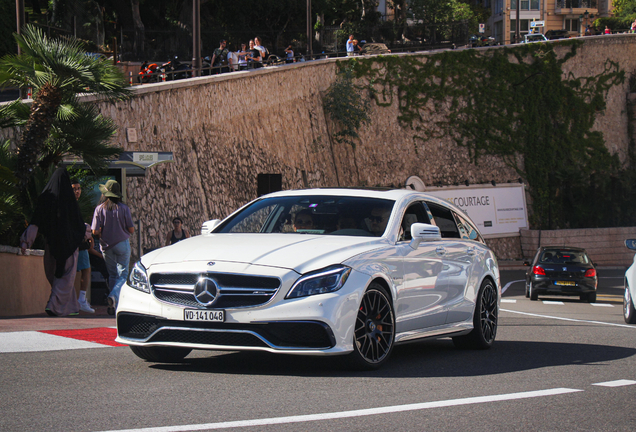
(605, 246)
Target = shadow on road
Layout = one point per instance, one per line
(420, 360)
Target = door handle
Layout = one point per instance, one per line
(440, 250)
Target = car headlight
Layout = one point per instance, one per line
(329, 279)
(138, 278)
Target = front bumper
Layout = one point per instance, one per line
(283, 335)
(315, 325)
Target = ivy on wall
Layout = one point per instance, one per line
(515, 103)
(346, 107)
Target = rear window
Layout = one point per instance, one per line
(563, 256)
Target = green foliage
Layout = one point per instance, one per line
(624, 10)
(346, 107)
(62, 63)
(514, 102)
(613, 23)
(7, 27)
(58, 70)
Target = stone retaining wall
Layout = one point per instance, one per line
(226, 129)
(605, 246)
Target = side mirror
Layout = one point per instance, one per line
(526, 263)
(424, 232)
(208, 226)
(631, 244)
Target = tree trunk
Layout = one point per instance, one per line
(43, 113)
(138, 46)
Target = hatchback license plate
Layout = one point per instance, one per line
(200, 315)
(565, 283)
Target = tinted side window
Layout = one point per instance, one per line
(444, 220)
(467, 230)
(414, 214)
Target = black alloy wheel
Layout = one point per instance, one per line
(485, 320)
(374, 331)
(629, 312)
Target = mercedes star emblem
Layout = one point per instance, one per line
(205, 291)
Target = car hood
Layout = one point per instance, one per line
(299, 252)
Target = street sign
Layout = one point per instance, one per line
(482, 28)
(537, 23)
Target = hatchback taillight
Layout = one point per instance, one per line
(590, 273)
(538, 270)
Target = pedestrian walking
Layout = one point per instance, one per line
(351, 46)
(113, 224)
(57, 217)
(83, 274)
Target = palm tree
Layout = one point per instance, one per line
(58, 70)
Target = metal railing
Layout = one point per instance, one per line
(163, 74)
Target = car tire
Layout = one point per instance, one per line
(534, 295)
(160, 354)
(485, 320)
(374, 330)
(629, 312)
(527, 289)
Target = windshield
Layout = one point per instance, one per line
(321, 215)
(563, 256)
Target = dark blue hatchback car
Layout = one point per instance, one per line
(561, 271)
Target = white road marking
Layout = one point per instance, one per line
(503, 290)
(508, 301)
(356, 413)
(30, 341)
(570, 319)
(552, 302)
(617, 383)
(602, 304)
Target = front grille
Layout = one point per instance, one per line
(289, 334)
(234, 291)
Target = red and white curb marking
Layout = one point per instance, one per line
(56, 340)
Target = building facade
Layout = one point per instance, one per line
(571, 15)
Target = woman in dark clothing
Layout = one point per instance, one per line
(57, 217)
(178, 233)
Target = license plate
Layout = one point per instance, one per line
(565, 283)
(201, 315)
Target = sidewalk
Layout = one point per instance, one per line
(44, 322)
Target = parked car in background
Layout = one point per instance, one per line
(534, 37)
(557, 34)
(564, 270)
(629, 298)
(317, 272)
(480, 40)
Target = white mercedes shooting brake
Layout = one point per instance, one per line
(317, 272)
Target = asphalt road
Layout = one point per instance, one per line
(565, 366)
